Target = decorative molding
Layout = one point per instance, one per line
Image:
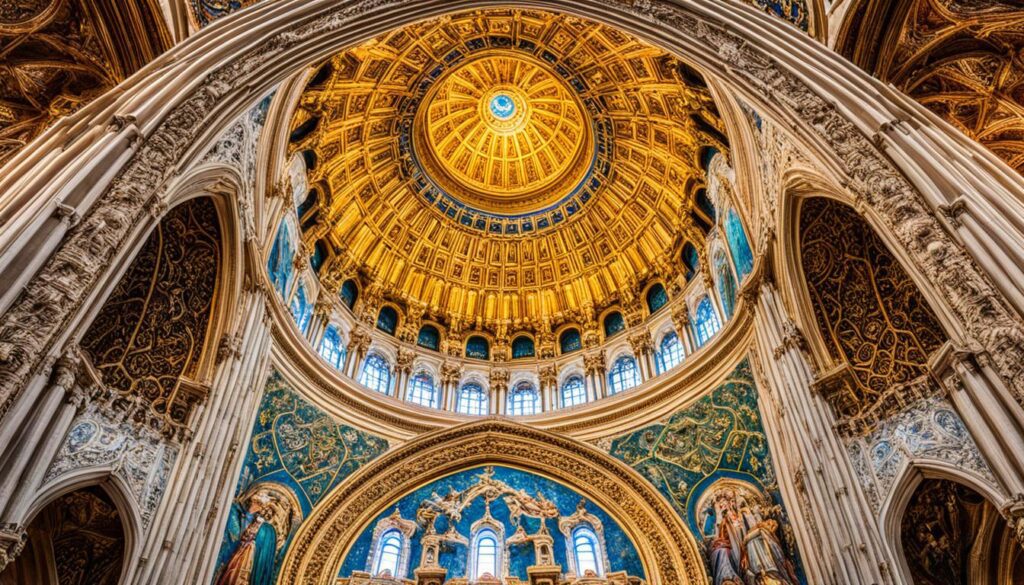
(668, 551)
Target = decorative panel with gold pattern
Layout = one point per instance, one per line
(869, 311)
(57, 55)
(152, 330)
(505, 166)
(962, 59)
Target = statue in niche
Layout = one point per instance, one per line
(741, 535)
(259, 525)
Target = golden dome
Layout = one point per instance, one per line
(504, 134)
(426, 192)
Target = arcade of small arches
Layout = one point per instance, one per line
(566, 292)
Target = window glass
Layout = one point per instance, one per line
(349, 293)
(656, 298)
(422, 390)
(523, 400)
(522, 347)
(376, 374)
(478, 348)
(573, 392)
(302, 311)
(742, 256)
(387, 320)
(429, 337)
(569, 341)
(623, 375)
(726, 284)
(331, 347)
(486, 555)
(670, 352)
(705, 323)
(613, 323)
(472, 400)
(585, 548)
(389, 555)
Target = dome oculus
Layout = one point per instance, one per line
(502, 106)
(504, 134)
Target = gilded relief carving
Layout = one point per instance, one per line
(527, 163)
(52, 64)
(961, 60)
(871, 315)
(151, 332)
(57, 55)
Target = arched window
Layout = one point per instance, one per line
(569, 341)
(656, 298)
(331, 347)
(316, 261)
(742, 257)
(486, 554)
(389, 553)
(429, 337)
(279, 265)
(477, 347)
(587, 551)
(376, 374)
(614, 323)
(691, 260)
(387, 320)
(302, 311)
(522, 347)
(705, 205)
(670, 352)
(726, 284)
(705, 322)
(523, 400)
(349, 293)
(472, 400)
(573, 392)
(422, 390)
(623, 375)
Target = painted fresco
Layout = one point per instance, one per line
(522, 506)
(297, 454)
(712, 462)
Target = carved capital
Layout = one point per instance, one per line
(594, 363)
(499, 378)
(65, 371)
(641, 343)
(549, 375)
(404, 360)
(12, 541)
(230, 346)
(953, 210)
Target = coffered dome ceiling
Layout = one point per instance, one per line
(505, 167)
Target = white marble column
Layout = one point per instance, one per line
(834, 526)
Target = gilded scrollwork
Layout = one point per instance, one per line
(961, 60)
(870, 313)
(151, 332)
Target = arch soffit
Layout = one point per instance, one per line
(799, 184)
(909, 478)
(667, 549)
(118, 491)
(223, 185)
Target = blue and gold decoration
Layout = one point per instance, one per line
(297, 454)
(712, 462)
(520, 505)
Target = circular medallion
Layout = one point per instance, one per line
(504, 134)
